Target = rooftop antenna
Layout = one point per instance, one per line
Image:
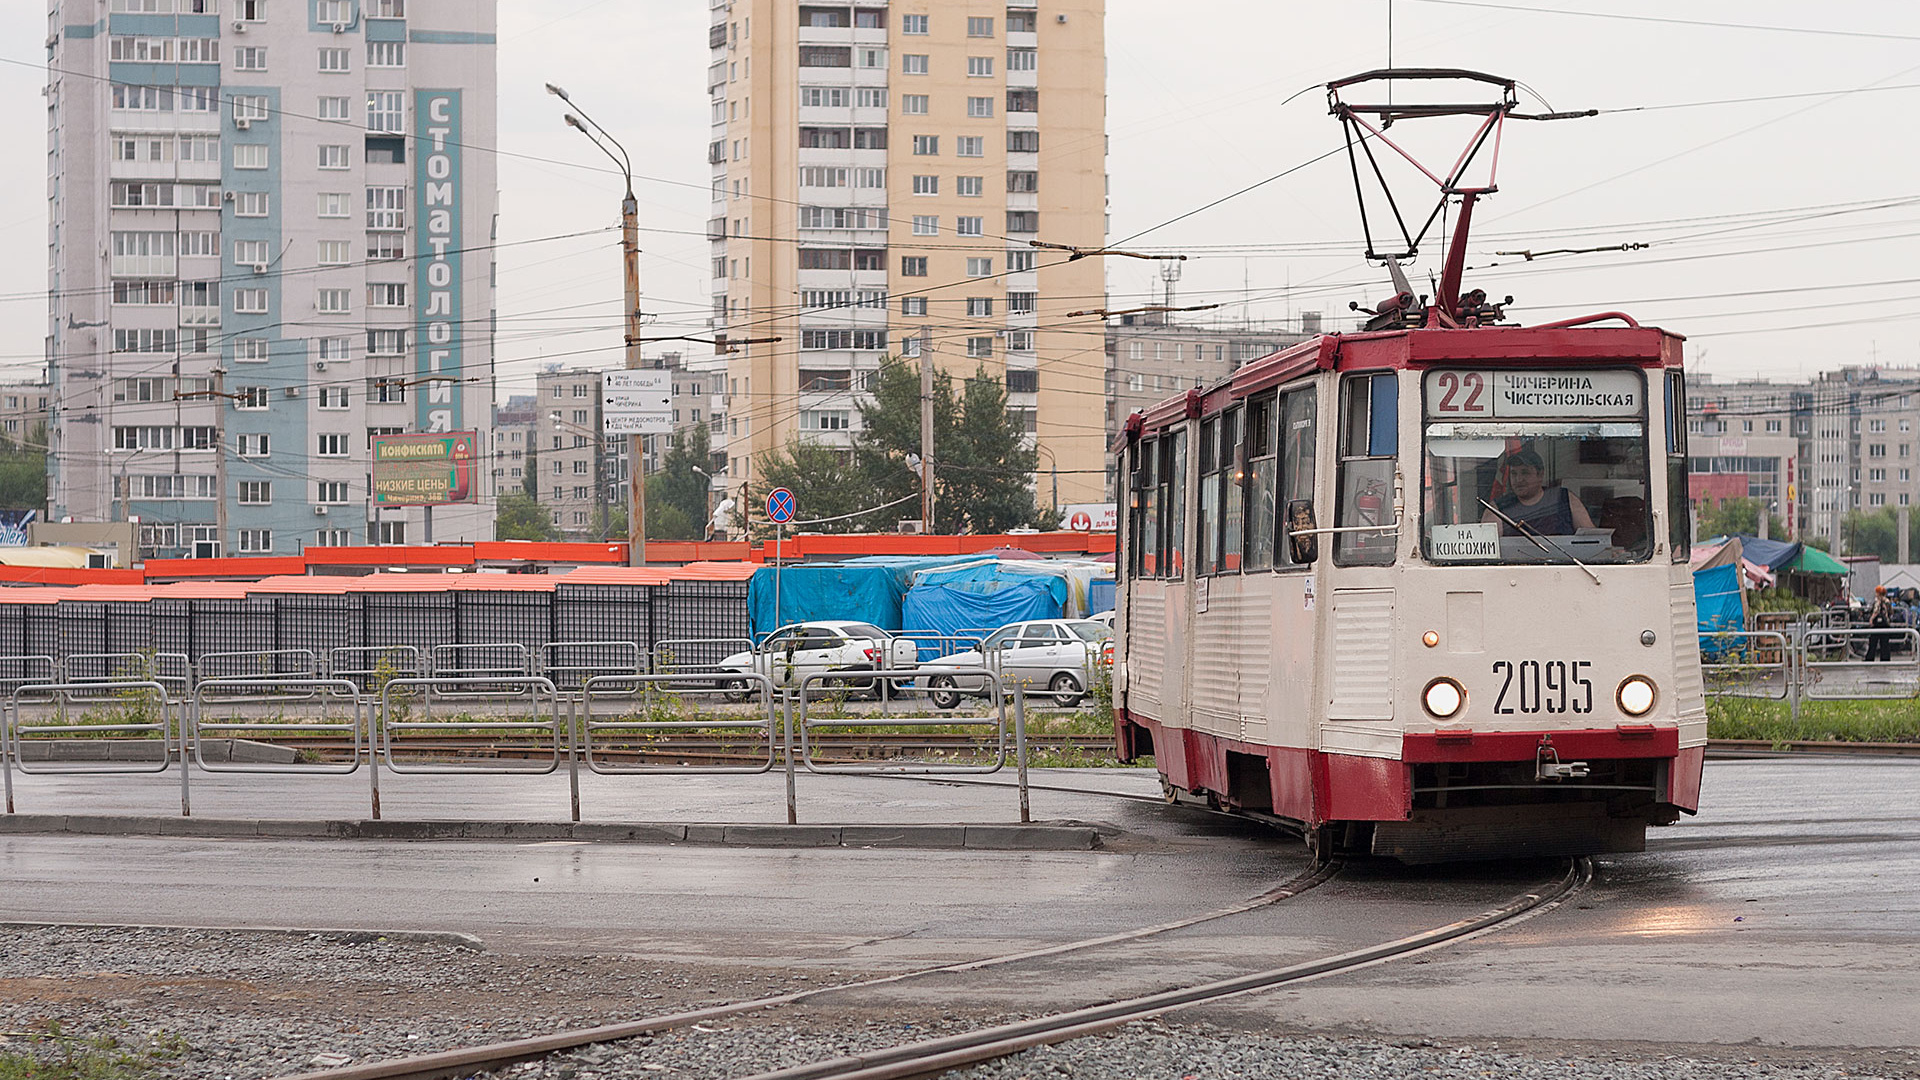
(1169, 273)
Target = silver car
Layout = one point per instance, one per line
(1059, 654)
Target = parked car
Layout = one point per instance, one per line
(792, 653)
(1059, 654)
(1105, 618)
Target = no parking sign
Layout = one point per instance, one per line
(780, 506)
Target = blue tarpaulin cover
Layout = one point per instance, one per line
(1716, 596)
(836, 591)
(1100, 596)
(976, 605)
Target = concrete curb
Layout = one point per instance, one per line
(1051, 836)
(352, 937)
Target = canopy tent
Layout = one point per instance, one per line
(1805, 571)
(1720, 603)
(1728, 551)
(967, 607)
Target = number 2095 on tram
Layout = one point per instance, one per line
(1420, 593)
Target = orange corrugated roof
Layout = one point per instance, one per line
(39, 594)
(618, 575)
(714, 571)
(300, 583)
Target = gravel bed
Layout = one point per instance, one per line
(244, 1005)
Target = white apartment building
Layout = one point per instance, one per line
(270, 230)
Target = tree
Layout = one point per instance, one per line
(530, 479)
(519, 517)
(822, 480)
(1878, 533)
(1737, 515)
(23, 471)
(677, 494)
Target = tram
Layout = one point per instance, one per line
(1420, 590)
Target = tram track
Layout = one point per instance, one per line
(932, 1057)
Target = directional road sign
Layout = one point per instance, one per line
(636, 402)
(780, 506)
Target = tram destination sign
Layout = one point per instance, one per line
(1469, 394)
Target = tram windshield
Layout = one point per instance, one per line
(1536, 492)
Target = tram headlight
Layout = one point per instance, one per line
(1636, 695)
(1443, 698)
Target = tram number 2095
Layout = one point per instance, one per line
(1554, 686)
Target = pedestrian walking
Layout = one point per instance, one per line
(1880, 626)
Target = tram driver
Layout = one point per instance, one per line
(1547, 511)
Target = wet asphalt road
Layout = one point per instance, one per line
(1787, 914)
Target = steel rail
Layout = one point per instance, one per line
(935, 1056)
(451, 1064)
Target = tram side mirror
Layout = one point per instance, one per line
(1304, 549)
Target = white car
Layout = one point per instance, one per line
(1105, 618)
(792, 653)
(1059, 654)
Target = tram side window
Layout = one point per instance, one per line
(1299, 426)
(1145, 556)
(1369, 448)
(1679, 516)
(1209, 519)
(1232, 495)
(1263, 473)
(1173, 500)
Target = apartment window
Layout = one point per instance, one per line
(979, 266)
(979, 348)
(913, 305)
(832, 97)
(970, 146)
(251, 398)
(979, 26)
(980, 107)
(913, 24)
(1023, 142)
(199, 148)
(969, 226)
(330, 492)
(331, 446)
(334, 301)
(1022, 181)
(926, 225)
(825, 419)
(825, 138)
(386, 246)
(144, 148)
(333, 157)
(250, 204)
(871, 97)
(249, 156)
(1023, 101)
(913, 104)
(1022, 303)
(388, 294)
(386, 208)
(979, 307)
(872, 58)
(334, 397)
(1023, 221)
(333, 253)
(822, 176)
(913, 63)
(385, 110)
(255, 541)
(386, 54)
(250, 350)
(250, 58)
(149, 437)
(250, 301)
(980, 67)
(1019, 341)
(250, 252)
(826, 259)
(1022, 59)
(333, 108)
(334, 204)
(913, 266)
(385, 9)
(253, 445)
(870, 177)
(144, 293)
(390, 391)
(926, 145)
(828, 56)
(256, 492)
(926, 185)
(332, 11)
(386, 342)
(333, 60)
(1020, 261)
(392, 532)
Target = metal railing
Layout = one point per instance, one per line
(599, 736)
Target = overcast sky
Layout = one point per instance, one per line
(1782, 234)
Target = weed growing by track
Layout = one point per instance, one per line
(1895, 720)
(49, 1055)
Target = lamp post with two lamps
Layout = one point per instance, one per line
(630, 252)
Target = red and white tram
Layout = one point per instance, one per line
(1420, 591)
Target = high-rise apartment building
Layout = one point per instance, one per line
(881, 172)
(269, 242)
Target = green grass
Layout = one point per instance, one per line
(1896, 720)
(49, 1055)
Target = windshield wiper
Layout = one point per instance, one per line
(1531, 534)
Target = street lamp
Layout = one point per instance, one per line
(630, 251)
(1053, 467)
(713, 512)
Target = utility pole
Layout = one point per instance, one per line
(220, 455)
(630, 252)
(926, 430)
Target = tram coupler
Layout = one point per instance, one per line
(1549, 766)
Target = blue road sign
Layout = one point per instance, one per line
(780, 506)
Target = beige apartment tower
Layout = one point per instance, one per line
(881, 172)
